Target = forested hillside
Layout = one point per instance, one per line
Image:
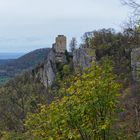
(92, 103)
(3, 61)
(11, 68)
(91, 92)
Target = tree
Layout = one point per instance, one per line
(135, 5)
(73, 44)
(132, 3)
(133, 25)
(86, 111)
(88, 40)
(17, 97)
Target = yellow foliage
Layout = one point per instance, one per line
(85, 111)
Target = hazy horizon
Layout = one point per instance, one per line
(12, 55)
(29, 25)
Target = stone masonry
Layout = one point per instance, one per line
(59, 47)
(60, 44)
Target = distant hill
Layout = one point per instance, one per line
(3, 61)
(10, 55)
(13, 67)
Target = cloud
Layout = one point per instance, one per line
(28, 23)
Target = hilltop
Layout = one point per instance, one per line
(104, 60)
(12, 67)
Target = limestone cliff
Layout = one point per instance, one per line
(46, 72)
(83, 57)
(135, 64)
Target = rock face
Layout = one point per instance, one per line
(46, 72)
(135, 64)
(83, 57)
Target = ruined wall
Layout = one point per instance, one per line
(60, 47)
(60, 44)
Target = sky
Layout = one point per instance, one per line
(26, 25)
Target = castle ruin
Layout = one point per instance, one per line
(60, 47)
(46, 72)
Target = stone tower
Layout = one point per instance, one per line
(60, 44)
(59, 47)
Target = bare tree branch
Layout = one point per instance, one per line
(131, 3)
(135, 5)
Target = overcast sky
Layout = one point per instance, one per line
(26, 25)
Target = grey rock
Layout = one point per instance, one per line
(46, 72)
(81, 58)
(135, 64)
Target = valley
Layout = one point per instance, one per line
(9, 68)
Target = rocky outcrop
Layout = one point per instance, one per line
(49, 69)
(46, 72)
(135, 64)
(83, 57)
